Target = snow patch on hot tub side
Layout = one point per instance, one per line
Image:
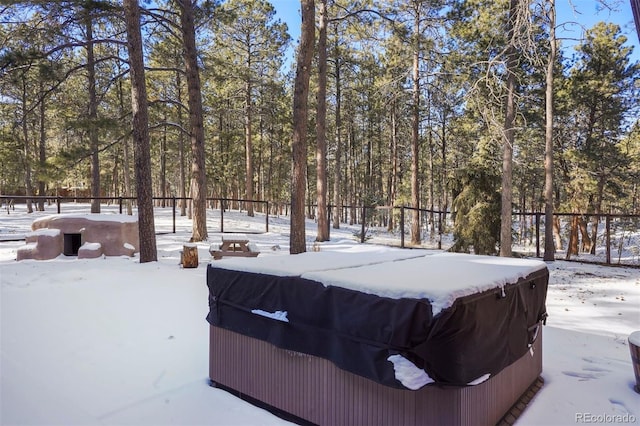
(408, 373)
(277, 315)
(479, 380)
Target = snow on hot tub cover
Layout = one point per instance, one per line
(457, 317)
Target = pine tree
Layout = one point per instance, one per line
(196, 125)
(476, 208)
(600, 92)
(140, 125)
(297, 236)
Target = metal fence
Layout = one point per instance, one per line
(611, 239)
(216, 207)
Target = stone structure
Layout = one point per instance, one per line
(86, 236)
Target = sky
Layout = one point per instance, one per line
(575, 14)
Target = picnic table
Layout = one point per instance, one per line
(233, 245)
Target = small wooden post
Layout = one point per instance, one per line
(189, 256)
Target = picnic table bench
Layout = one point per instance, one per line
(233, 245)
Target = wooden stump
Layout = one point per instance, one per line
(189, 256)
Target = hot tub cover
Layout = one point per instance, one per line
(457, 317)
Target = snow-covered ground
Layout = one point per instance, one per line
(113, 342)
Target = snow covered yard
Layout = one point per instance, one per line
(110, 341)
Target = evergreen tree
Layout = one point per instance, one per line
(140, 125)
(601, 92)
(248, 48)
(297, 237)
(196, 120)
(321, 126)
(549, 248)
(476, 208)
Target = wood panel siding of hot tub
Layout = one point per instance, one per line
(315, 390)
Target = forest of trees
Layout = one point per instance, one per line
(447, 105)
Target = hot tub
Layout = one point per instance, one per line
(386, 337)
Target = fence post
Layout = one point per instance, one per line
(173, 208)
(364, 215)
(222, 215)
(401, 226)
(608, 233)
(267, 218)
(538, 234)
(120, 204)
(58, 203)
(439, 229)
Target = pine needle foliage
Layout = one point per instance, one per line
(476, 209)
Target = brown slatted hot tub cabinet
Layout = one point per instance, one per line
(324, 360)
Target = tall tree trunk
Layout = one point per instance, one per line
(585, 246)
(444, 202)
(28, 185)
(557, 238)
(393, 160)
(415, 135)
(93, 115)
(198, 172)
(431, 170)
(598, 211)
(163, 165)
(300, 113)
(522, 235)
(181, 159)
(351, 171)
(509, 135)
(140, 127)
(595, 221)
(549, 248)
(572, 246)
(337, 182)
(262, 190)
(248, 142)
(126, 166)
(115, 190)
(127, 176)
(42, 149)
(321, 129)
(368, 178)
(270, 193)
